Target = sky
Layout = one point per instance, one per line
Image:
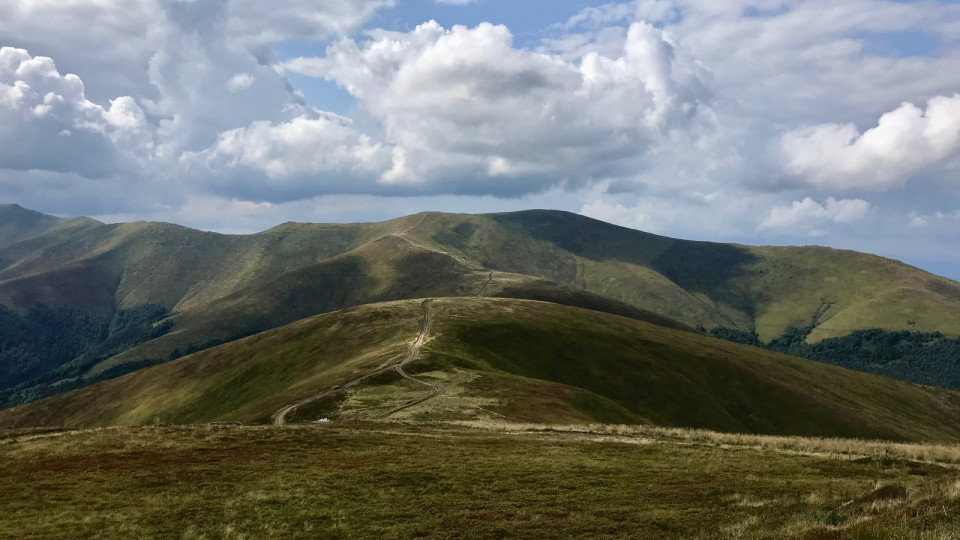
(790, 122)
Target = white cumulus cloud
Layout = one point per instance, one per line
(47, 123)
(808, 216)
(302, 157)
(464, 105)
(904, 142)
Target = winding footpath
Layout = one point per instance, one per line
(280, 417)
(411, 356)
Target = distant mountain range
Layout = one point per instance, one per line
(82, 301)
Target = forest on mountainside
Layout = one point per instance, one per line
(924, 358)
(47, 344)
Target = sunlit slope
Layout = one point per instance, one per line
(699, 283)
(387, 269)
(512, 360)
(17, 224)
(843, 291)
(174, 266)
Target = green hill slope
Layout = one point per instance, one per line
(17, 224)
(769, 289)
(217, 287)
(503, 358)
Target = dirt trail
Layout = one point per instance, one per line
(403, 236)
(411, 356)
(485, 285)
(280, 417)
(418, 245)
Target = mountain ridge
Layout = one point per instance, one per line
(217, 287)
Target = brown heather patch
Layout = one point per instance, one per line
(864, 451)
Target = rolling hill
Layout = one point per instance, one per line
(202, 288)
(520, 360)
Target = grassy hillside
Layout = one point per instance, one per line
(508, 359)
(17, 224)
(218, 287)
(364, 481)
(769, 289)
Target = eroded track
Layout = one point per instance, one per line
(436, 390)
(280, 417)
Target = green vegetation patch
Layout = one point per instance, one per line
(51, 349)
(923, 358)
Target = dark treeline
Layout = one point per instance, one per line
(931, 359)
(177, 353)
(48, 344)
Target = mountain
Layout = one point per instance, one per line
(18, 224)
(521, 360)
(133, 294)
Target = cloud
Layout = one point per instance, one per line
(906, 141)
(47, 123)
(651, 216)
(256, 21)
(936, 218)
(808, 216)
(720, 215)
(779, 66)
(110, 42)
(195, 76)
(299, 158)
(466, 111)
(206, 82)
(665, 115)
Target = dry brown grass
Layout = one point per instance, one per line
(943, 454)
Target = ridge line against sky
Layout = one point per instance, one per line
(754, 121)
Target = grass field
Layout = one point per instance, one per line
(400, 480)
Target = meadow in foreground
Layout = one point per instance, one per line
(359, 480)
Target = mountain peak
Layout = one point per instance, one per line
(18, 223)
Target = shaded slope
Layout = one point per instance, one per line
(514, 359)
